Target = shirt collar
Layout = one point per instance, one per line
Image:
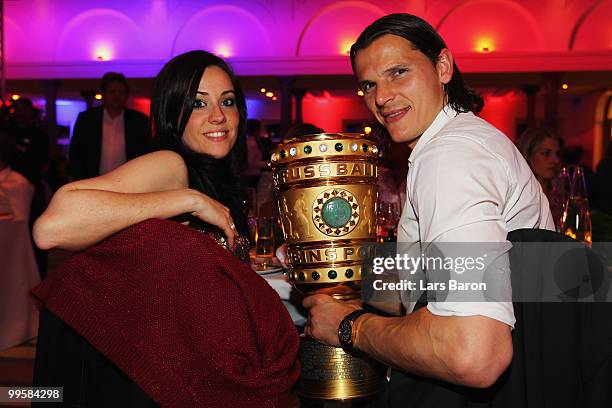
(108, 117)
(444, 116)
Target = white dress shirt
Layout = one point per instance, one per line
(113, 142)
(467, 182)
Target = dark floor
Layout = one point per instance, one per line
(16, 368)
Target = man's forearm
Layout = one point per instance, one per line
(470, 351)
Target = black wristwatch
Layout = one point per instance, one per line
(345, 330)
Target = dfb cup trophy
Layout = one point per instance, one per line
(326, 191)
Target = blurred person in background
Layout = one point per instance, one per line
(392, 167)
(542, 151)
(32, 144)
(16, 191)
(107, 136)
(255, 162)
(603, 181)
(30, 159)
(265, 143)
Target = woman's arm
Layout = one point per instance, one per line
(151, 186)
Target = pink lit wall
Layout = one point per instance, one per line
(83, 39)
(140, 104)
(576, 122)
(74, 38)
(503, 111)
(329, 112)
(481, 27)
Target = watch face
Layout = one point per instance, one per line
(344, 332)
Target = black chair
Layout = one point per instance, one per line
(89, 379)
(562, 350)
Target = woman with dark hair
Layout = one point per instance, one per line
(198, 118)
(157, 313)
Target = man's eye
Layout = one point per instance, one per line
(368, 86)
(199, 104)
(400, 71)
(229, 102)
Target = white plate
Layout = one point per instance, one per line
(266, 270)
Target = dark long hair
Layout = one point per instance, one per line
(174, 93)
(425, 39)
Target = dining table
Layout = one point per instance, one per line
(278, 281)
(18, 275)
(276, 275)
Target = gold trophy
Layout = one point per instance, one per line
(326, 191)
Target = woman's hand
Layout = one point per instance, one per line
(214, 213)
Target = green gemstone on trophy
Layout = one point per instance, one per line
(336, 212)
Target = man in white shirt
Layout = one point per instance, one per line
(105, 137)
(466, 183)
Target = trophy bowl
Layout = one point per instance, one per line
(326, 192)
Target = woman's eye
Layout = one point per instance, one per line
(229, 102)
(199, 104)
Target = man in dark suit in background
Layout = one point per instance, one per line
(107, 136)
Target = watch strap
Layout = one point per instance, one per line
(350, 319)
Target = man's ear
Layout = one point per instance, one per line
(444, 66)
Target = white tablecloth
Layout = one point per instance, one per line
(18, 275)
(279, 283)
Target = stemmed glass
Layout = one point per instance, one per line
(576, 219)
(387, 219)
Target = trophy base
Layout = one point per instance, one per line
(329, 373)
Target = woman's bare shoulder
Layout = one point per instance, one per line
(162, 164)
(167, 157)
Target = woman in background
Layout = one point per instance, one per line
(542, 150)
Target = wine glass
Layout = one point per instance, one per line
(576, 219)
(387, 219)
(560, 195)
